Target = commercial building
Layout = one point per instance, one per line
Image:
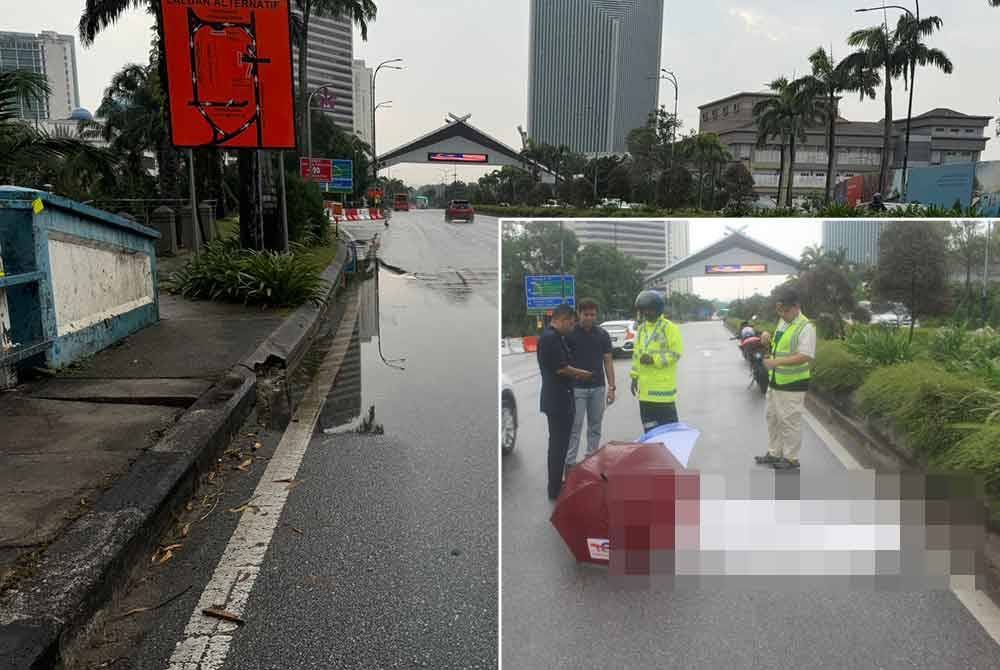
(937, 137)
(859, 239)
(47, 53)
(589, 71)
(330, 62)
(362, 101)
(657, 244)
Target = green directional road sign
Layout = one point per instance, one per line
(546, 292)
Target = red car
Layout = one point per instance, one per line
(459, 209)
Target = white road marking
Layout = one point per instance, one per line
(980, 606)
(832, 443)
(206, 640)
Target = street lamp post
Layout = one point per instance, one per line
(384, 64)
(309, 148)
(672, 78)
(913, 71)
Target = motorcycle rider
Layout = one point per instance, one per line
(658, 348)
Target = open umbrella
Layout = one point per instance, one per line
(678, 438)
(624, 502)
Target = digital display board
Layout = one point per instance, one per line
(736, 269)
(437, 157)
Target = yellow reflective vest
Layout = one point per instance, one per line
(786, 345)
(660, 339)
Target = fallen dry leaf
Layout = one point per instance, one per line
(219, 613)
(167, 555)
(297, 530)
(172, 547)
(211, 475)
(257, 445)
(83, 501)
(185, 529)
(245, 464)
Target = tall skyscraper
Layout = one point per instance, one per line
(362, 101)
(590, 66)
(47, 53)
(859, 239)
(657, 244)
(331, 62)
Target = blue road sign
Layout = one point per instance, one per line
(545, 292)
(343, 175)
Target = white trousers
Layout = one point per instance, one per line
(784, 423)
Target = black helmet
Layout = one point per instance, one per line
(650, 300)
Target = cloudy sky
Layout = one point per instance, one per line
(475, 60)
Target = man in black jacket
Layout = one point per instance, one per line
(556, 399)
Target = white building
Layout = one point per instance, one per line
(362, 101)
(330, 63)
(657, 244)
(47, 53)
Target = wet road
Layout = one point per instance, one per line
(557, 614)
(364, 545)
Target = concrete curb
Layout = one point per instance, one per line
(82, 570)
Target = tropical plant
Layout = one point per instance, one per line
(785, 115)
(224, 271)
(918, 53)
(707, 152)
(879, 49)
(826, 83)
(879, 346)
(27, 153)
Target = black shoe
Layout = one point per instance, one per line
(767, 459)
(786, 464)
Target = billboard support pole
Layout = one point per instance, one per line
(284, 202)
(196, 223)
(260, 200)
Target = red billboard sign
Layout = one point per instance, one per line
(321, 169)
(229, 73)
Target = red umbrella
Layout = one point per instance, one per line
(626, 500)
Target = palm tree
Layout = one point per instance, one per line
(785, 115)
(828, 80)
(359, 11)
(918, 53)
(880, 49)
(23, 147)
(707, 152)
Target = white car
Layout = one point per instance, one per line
(508, 416)
(622, 336)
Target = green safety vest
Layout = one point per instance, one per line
(783, 375)
(661, 340)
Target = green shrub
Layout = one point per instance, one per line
(924, 400)
(965, 351)
(307, 220)
(978, 451)
(224, 271)
(879, 346)
(837, 370)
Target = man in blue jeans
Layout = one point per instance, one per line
(591, 347)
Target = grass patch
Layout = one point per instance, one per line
(977, 452)
(925, 401)
(836, 369)
(880, 346)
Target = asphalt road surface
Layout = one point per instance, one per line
(347, 543)
(558, 614)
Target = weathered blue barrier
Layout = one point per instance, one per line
(76, 279)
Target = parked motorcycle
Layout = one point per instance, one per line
(754, 351)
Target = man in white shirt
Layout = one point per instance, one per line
(793, 350)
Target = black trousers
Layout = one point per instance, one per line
(560, 426)
(655, 414)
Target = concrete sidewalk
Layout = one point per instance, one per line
(68, 438)
(95, 460)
